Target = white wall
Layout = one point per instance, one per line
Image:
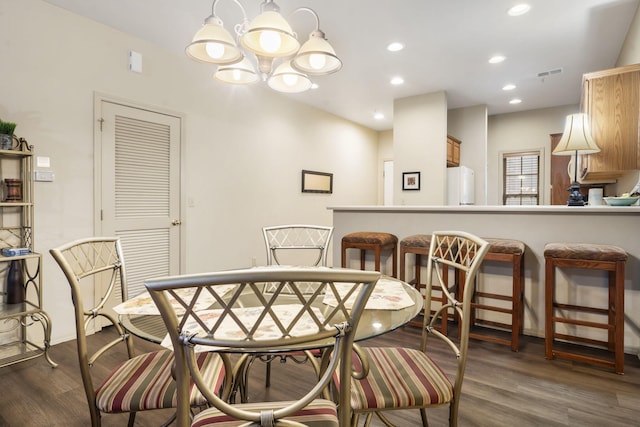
(245, 147)
(469, 125)
(420, 145)
(522, 131)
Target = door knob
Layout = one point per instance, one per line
(176, 222)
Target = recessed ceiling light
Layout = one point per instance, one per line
(395, 46)
(496, 59)
(397, 81)
(515, 101)
(378, 116)
(519, 9)
(509, 87)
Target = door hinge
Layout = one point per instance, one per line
(101, 215)
(101, 121)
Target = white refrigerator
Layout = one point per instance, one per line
(460, 186)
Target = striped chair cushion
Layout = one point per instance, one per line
(145, 382)
(320, 413)
(398, 378)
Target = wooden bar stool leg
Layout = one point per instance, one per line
(516, 302)
(403, 254)
(344, 255)
(619, 317)
(548, 308)
(394, 261)
(363, 254)
(376, 252)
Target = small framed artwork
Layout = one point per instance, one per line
(317, 182)
(410, 181)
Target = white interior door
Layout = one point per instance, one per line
(139, 189)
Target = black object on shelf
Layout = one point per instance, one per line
(14, 283)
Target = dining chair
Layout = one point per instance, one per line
(390, 378)
(293, 244)
(139, 383)
(286, 244)
(246, 320)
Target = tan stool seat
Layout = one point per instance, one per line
(585, 251)
(512, 252)
(505, 246)
(371, 240)
(416, 241)
(588, 257)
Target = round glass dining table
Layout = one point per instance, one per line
(384, 314)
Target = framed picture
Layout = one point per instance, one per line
(410, 181)
(317, 182)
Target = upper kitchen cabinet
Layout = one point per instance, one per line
(453, 151)
(612, 100)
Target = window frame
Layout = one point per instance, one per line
(538, 195)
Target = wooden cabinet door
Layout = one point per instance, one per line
(612, 100)
(453, 151)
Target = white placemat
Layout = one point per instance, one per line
(143, 304)
(387, 295)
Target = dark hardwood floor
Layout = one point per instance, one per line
(501, 388)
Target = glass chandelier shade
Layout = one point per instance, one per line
(286, 79)
(240, 73)
(576, 137)
(270, 35)
(316, 57)
(213, 44)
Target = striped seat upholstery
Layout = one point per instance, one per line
(395, 378)
(320, 413)
(399, 378)
(140, 382)
(145, 382)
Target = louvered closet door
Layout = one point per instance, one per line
(140, 190)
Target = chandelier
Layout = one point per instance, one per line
(268, 37)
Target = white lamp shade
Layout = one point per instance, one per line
(214, 45)
(316, 57)
(241, 73)
(270, 35)
(286, 79)
(576, 137)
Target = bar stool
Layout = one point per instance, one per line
(512, 252)
(591, 257)
(419, 245)
(371, 240)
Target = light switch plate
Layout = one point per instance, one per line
(46, 176)
(135, 61)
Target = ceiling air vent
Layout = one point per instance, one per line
(549, 73)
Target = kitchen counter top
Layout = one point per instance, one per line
(561, 209)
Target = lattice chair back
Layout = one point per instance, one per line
(228, 312)
(452, 250)
(138, 383)
(297, 244)
(96, 263)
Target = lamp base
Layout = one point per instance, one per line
(575, 198)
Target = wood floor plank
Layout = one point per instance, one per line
(501, 388)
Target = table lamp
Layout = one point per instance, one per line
(576, 139)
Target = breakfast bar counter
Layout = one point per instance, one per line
(535, 226)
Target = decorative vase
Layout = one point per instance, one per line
(14, 190)
(14, 283)
(6, 141)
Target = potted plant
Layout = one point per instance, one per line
(6, 135)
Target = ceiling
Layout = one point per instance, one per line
(447, 46)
